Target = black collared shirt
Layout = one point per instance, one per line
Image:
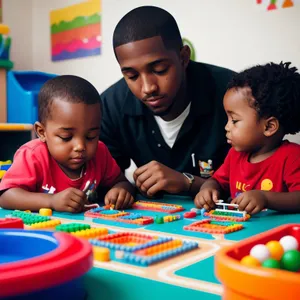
(130, 131)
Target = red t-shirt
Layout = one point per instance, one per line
(35, 170)
(278, 173)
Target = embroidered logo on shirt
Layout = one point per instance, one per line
(48, 190)
(206, 169)
(266, 185)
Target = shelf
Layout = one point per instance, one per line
(15, 127)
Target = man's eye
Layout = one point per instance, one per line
(161, 72)
(132, 77)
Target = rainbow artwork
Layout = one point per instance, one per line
(271, 5)
(76, 31)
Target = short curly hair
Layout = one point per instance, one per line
(69, 88)
(276, 92)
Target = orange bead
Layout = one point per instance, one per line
(250, 261)
(276, 250)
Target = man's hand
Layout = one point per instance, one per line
(207, 198)
(69, 200)
(120, 197)
(251, 201)
(154, 177)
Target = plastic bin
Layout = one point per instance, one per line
(241, 282)
(37, 264)
(22, 95)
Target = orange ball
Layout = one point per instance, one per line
(250, 261)
(276, 250)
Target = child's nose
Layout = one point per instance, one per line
(227, 127)
(79, 146)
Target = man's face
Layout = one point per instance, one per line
(153, 73)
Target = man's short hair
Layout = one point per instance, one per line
(145, 22)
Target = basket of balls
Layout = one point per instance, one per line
(265, 266)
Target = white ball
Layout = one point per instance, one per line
(260, 252)
(288, 242)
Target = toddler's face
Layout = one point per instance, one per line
(244, 130)
(72, 134)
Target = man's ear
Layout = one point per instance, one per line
(185, 54)
(39, 129)
(271, 126)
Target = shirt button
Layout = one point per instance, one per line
(153, 131)
(158, 145)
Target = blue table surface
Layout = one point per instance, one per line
(108, 284)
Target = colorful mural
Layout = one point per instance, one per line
(76, 31)
(270, 5)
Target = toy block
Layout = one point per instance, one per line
(213, 227)
(11, 223)
(157, 206)
(44, 225)
(108, 213)
(29, 218)
(227, 216)
(141, 249)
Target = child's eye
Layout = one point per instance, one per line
(234, 121)
(90, 138)
(65, 139)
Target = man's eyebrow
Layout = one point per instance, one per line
(155, 62)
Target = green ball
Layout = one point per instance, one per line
(291, 260)
(271, 263)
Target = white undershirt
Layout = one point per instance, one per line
(170, 129)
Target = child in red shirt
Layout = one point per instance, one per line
(261, 170)
(68, 161)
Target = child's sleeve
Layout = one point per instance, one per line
(223, 173)
(292, 173)
(23, 173)
(109, 168)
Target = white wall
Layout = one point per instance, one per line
(232, 33)
(17, 14)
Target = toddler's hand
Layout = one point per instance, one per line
(251, 201)
(70, 200)
(207, 198)
(120, 197)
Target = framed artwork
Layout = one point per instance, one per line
(76, 31)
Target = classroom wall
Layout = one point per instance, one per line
(232, 33)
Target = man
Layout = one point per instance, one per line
(166, 114)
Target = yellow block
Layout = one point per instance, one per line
(4, 29)
(45, 212)
(101, 253)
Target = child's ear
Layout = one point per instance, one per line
(185, 54)
(40, 131)
(271, 126)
